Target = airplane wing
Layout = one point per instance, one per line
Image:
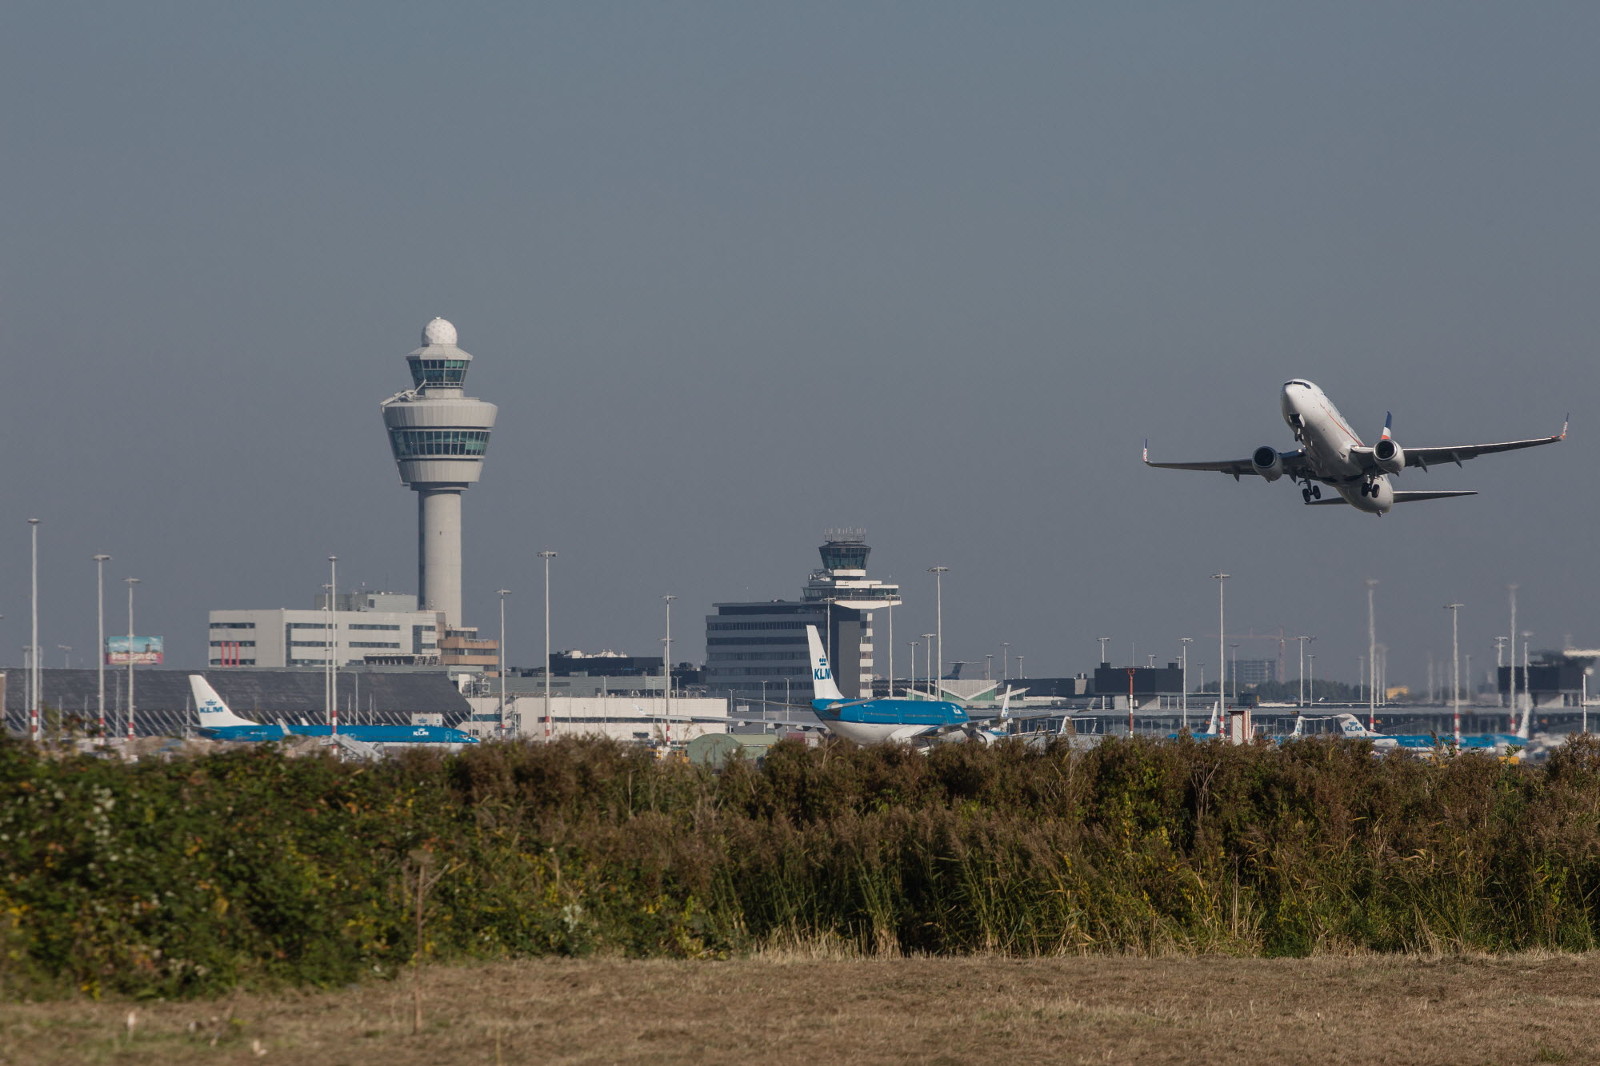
(1294, 465)
(1426, 457)
(1423, 458)
(1400, 496)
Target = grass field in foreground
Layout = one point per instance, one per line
(781, 1009)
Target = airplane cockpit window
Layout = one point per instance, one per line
(1297, 381)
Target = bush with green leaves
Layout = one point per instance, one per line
(250, 867)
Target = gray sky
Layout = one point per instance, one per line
(737, 273)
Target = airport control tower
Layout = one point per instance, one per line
(439, 436)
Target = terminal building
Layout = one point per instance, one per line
(372, 628)
(758, 651)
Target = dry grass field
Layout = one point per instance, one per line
(778, 1010)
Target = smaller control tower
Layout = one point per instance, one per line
(439, 436)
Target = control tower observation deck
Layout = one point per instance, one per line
(439, 436)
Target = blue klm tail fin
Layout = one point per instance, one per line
(823, 686)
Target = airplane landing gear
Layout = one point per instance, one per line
(1309, 492)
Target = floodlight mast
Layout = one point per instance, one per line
(546, 556)
(1372, 657)
(100, 561)
(1455, 669)
(1222, 649)
(34, 676)
(131, 581)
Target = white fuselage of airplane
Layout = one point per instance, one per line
(1328, 441)
(1330, 454)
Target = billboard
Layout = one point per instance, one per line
(140, 651)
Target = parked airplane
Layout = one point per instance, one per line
(878, 720)
(1428, 744)
(218, 722)
(1331, 454)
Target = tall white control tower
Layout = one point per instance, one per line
(439, 436)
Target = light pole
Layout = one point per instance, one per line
(1455, 668)
(938, 573)
(911, 681)
(890, 610)
(131, 581)
(1499, 662)
(927, 657)
(1311, 680)
(1103, 641)
(1527, 685)
(547, 556)
(1234, 672)
(330, 676)
(763, 697)
(1021, 675)
(100, 561)
(1302, 641)
(1005, 659)
(33, 641)
(1372, 656)
(1587, 670)
(666, 668)
(988, 665)
(1183, 696)
(1511, 658)
(1222, 651)
(501, 727)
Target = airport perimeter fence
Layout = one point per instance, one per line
(192, 876)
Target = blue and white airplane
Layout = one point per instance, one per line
(218, 722)
(885, 720)
(1331, 454)
(1427, 744)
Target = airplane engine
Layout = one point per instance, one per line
(1267, 461)
(1390, 457)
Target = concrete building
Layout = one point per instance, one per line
(372, 628)
(288, 637)
(637, 719)
(751, 643)
(439, 437)
(1253, 671)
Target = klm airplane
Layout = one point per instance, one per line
(1428, 744)
(219, 722)
(878, 721)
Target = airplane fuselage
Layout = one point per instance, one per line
(391, 735)
(1328, 441)
(888, 720)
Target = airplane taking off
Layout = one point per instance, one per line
(1331, 454)
(218, 722)
(876, 721)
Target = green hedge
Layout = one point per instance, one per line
(189, 877)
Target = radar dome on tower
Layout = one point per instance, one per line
(439, 331)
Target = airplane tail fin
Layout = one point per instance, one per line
(1352, 729)
(823, 686)
(214, 712)
(1388, 419)
(1214, 723)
